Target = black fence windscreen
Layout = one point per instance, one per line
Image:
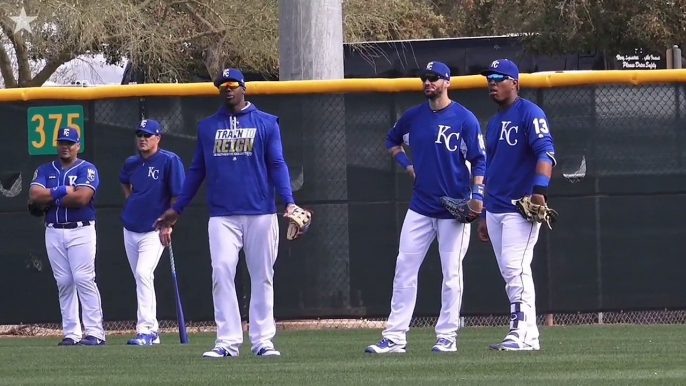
(619, 188)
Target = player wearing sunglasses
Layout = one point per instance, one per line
(520, 158)
(239, 155)
(151, 181)
(443, 135)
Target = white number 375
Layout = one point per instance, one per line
(541, 127)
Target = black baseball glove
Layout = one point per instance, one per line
(36, 210)
(462, 210)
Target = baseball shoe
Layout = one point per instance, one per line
(386, 346)
(145, 340)
(68, 342)
(267, 352)
(90, 340)
(512, 342)
(217, 352)
(445, 345)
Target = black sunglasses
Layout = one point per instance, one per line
(141, 135)
(430, 78)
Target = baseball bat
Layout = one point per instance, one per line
(183, 335)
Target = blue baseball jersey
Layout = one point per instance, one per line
(241, 158)
(154, 182)
(441, 142)
(515, 140)
(81, 174)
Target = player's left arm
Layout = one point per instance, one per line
(474, 151)
(541, 143)
(176, 174)
(87, 182)
(276, 165)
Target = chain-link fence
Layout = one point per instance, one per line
(613, 258)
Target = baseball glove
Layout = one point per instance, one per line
(35, 209)
(462, 210)
(535, 212)
(299, 221)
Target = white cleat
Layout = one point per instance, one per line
(267, 352)
(386, 346)
(445, 345)
(217, 352)
(512, 342)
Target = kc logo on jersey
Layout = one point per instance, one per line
(234, 142)
(91, 175)
(153, 173)
(445, 139)
(506, 132)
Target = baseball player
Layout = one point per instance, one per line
(521, 156)
(151, 181)
(239, 153)
(67, 189)
(443, 136)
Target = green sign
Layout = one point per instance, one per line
(45, 123)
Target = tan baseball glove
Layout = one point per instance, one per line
(299, 221)
(535, 212)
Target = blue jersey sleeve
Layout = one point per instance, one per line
(176, 174)
(475, 148)
(39, 178)
(125, 174)
(399, 133)
(276, 165)
(88, 176)
(538, 133)
(195, 177)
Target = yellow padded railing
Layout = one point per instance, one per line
(309, 87)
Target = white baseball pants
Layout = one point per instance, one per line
(259, 237)
(144, 251)
(71, 253)
(513, 239)
(416, 236)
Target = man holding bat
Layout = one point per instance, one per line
(240, 156)
(151, 181)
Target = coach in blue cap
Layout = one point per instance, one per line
(149, 126)
(151, 182)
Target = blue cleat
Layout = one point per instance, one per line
(145, 340)
(445, 345)
(90, 340)
(386, 346)
(68, 342)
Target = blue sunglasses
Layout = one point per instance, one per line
(498, 78)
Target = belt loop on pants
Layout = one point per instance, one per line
(68, 225)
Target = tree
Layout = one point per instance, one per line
(170, 40)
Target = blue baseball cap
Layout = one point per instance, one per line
(230, 75)
(503, 67)
(150, 126)
(68, 134)
(437, 68)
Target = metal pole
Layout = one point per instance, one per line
(676, 57)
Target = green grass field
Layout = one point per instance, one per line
(592, 355)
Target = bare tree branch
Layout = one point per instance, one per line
(6, 69)
(49, 69)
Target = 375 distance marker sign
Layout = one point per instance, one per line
(45, 122)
